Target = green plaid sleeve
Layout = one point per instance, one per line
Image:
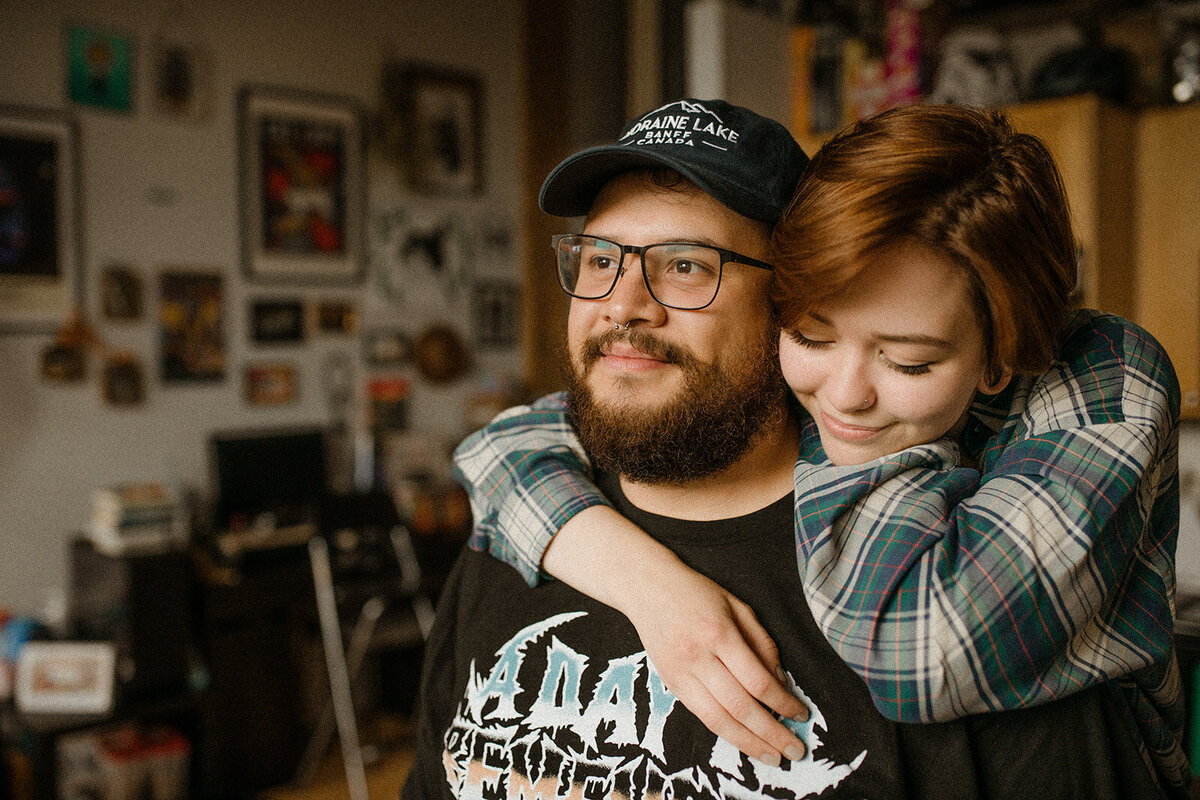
(526, 474)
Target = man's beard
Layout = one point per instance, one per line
(709, 424)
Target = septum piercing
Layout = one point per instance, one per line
(617, 326)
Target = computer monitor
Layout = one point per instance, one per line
(279, 471)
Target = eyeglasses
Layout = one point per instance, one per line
(682, 275)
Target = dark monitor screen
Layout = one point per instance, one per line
(280, 472)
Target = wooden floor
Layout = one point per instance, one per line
(384, 779)
(393, 738)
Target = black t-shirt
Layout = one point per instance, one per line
(545, 693)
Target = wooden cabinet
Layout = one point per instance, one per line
(1167, 194)
(1092, 142)
(1133, 181)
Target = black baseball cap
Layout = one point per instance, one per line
(744, 160)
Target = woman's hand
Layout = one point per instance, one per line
(705, 643)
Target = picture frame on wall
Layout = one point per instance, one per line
(182, 79)
(441, 115)
(99, 67)
(270, 384)
(191, 326)
(40, 274)
(302, 186)
(277, 321)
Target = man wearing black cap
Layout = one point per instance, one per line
(674, 379)
(676, 394)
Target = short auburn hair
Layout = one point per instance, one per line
(955, 179)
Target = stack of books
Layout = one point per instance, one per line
(136, 518)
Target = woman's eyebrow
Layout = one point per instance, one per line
(898, 338)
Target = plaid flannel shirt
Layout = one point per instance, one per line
(954, 589)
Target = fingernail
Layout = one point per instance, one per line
(770, 759)
(794, 752)
(803, 715)
(779, 673)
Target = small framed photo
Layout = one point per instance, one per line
(384, 348)
(66, 677)
(123, 382)
(335, 316)
(99, 68)
(121, 293)
(441, 112)
(302, 193)
(270, 384)
(182, 79)
(277, 321)
(40, 272)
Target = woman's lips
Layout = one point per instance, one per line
(847, 432)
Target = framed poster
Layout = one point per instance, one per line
(99, 68)
(302, 186)
(191, 324)
(441, 114)
(39, 220)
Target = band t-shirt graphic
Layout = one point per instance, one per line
(541, 694)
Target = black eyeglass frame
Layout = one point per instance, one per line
(727, 256)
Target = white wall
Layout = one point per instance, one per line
(161, 193)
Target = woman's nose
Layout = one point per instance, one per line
(850, 388)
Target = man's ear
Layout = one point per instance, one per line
(990, 385)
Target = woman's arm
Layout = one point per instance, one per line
(953, 591)
(536, 508)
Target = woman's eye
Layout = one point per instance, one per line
(804, 341)
(905, 369)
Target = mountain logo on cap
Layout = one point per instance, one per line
(680, 123)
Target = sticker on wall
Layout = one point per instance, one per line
(99, 68)
(191, 329)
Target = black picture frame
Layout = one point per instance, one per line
(440, 113)
(277, 321)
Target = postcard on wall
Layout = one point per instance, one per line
(191, 329)
(39, 226)
(302, 186)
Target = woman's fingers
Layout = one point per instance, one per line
(742, 719)
(753, 659)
